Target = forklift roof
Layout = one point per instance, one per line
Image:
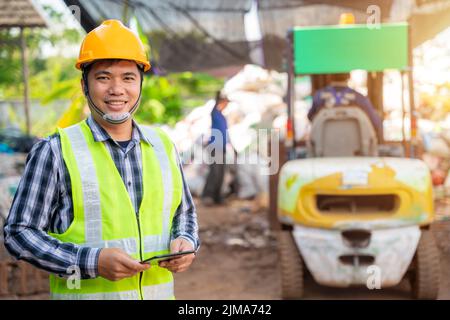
(342, 48)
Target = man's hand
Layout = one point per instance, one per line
(114, 264)
(182, 263)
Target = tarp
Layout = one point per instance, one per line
(203, 34)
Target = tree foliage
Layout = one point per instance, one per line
(435, 106)
(55, 80)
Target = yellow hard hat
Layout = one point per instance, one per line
(347, 18)
(112, 40)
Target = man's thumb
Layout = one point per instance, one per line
(175, 245)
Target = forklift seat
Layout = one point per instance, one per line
(342, 132)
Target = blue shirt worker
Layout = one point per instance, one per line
(212, 191)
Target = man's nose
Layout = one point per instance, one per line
(116, 88)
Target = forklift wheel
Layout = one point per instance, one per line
(425, 268)
(291, 266)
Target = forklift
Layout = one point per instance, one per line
(347, 202)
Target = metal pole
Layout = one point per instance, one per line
(125, 13)
(290, 141)
(261, 42)
(26, 94)
(412, 106)
(402, 75)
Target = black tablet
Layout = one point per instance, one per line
(168, 256)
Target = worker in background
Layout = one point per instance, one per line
(338, 94)
(217, 144)
(101, 196)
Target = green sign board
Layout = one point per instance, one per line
(342, 48)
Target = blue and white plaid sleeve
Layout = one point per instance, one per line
(184, 224)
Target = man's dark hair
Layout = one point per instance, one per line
(220, 96)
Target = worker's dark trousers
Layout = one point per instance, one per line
(214, 181)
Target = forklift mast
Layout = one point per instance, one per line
(353, 47)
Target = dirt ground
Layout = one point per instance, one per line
(238, 260)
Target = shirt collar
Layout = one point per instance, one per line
(101, 134)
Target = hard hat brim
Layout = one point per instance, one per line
(80, 63)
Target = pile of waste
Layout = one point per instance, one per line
(436, 142)
(14, 147)
(256, 97)
(17, 278)
(11, 168)
(251, 234)
(13, 140)
(243, 227)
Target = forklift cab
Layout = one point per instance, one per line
(342, 132)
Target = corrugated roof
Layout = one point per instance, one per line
(20, 13)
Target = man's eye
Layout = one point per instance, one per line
(129, 78)
(102, 78)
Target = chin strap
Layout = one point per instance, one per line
(111, 118)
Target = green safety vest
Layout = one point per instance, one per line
(104, 216)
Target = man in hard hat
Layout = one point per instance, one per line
(99, 197)
(339, 94)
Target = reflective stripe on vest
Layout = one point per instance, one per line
(154, 243)
(163, 291)
(89, 186)
(123, 295)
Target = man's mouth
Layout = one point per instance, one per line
(116, 105)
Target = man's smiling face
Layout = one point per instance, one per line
(114, 86)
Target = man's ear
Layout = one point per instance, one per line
(83, 86)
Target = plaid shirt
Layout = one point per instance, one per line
(43, 203)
